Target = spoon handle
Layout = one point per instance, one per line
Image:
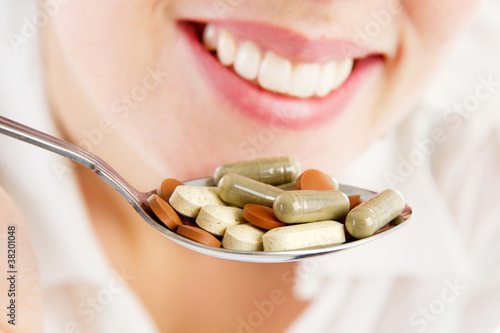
(66, 149)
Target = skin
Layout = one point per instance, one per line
(97, 51)
(27, 293)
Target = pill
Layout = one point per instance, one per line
(313, 179)
(243, 237)
(198, 235)
(273, 171)
(240, 190)
(261, 216)
(371, 215)
(354, 200)
(215, 219)
(167, 187)
(304, 236)
(398, 220)
(310, 206)
(164, 212)
(188, 200)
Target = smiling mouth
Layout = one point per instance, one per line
(270, 74)
(270, 71)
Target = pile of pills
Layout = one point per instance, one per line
(268, 205)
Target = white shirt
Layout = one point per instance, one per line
(440, 274)
(81, 292)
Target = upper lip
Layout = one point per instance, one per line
(294, 45)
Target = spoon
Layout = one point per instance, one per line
(138, 200)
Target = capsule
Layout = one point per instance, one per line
(310, 206)
(240, 190)
(273, 171)
(365, 219)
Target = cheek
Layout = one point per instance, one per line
(110, 45)
(426, 31)
(440, 21)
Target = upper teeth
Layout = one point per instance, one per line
(273, 72)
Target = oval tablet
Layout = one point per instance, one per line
(188, 200)
(243, 237)
(261, 216)
(313, 179)
(215, 219)
(273, 171)
(240, 190)
(371, 215)
(198, 235)
(167, 187)
(304, 236)
(164, 212)
(310, 206)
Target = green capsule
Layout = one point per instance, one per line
(310, 206)
(364, 220)
(273, 171)
(240, 190)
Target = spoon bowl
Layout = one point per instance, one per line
(139, 201)
(283, 256)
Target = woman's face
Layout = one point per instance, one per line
(133, 82)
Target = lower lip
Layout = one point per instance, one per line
(271, 108)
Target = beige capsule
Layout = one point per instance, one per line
(365, 219)
(243, 237)
(273, 171)
(310, 206)
(304, 236)
(240, 190)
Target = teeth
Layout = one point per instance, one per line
(273, 72)
(247, 62)
(210, 39)
(226, 48)
(305, 79)
(344, 70)
(328, 79)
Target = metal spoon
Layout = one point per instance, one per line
(138, 200)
